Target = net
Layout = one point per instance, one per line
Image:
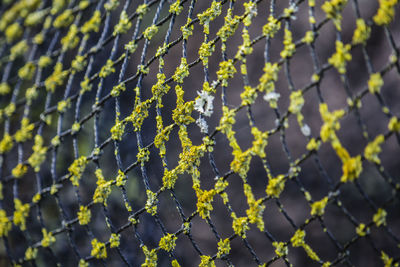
(210, 133)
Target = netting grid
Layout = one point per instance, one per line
(199, 133)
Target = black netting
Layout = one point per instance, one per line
(205, 133)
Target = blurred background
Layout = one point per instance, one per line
(332, 236)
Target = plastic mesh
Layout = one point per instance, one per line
(205, 133)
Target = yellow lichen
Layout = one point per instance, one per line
(56, 78)
(13, 32)
(20, 214)
(39, 153)
(48, 238)
(289, 47)
(394, 125)
(151, 203)
(151, 257)
(379, 217)
(19, 170)
(44, 61)
(206, 261)
(93, 24)
(18, 50)
(6, 143)
(70, 40)
(352, 168)
(224, 247)
(226, 71)
(27, 71)
(373, 149)
(333, 9)
(84, 215)
(31, 253)
(107, 69)
(64, 19)
(204, 200)
(362, 229)
(167, 242)
(276, 186)
(361, 33)
(340, 58)
(318, 207)
(209, 15)
(388, 261)
(5, 223)
(281, 249)
(240, 226)
(114, 240)
(150, 32)
(117, 131)
(103, 188)
(123, 25)
(98, 249)
(375, 83)
(76, 169)
(385, 12)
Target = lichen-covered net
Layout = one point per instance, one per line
(210, 133)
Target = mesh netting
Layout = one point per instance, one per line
(205, 133)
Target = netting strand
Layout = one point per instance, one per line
(209, 133)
